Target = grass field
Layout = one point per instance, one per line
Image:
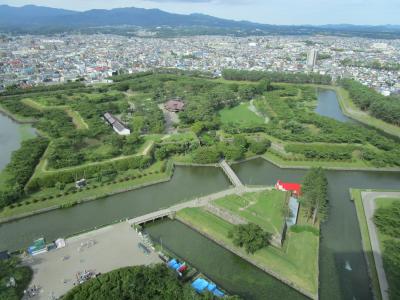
(296, 262)
(240, 114)
(265, 209)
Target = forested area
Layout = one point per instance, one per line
(137, 283)
(231, 74)
(20, 169)
(22, 275)
(381, 107)
(314, 198)
(387, 219)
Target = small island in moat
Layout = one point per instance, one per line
(100, 140)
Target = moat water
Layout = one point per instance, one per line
(11, 135)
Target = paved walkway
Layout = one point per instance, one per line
(230, 173)
(198, 202)
(368, 200)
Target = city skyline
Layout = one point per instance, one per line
(290, 12)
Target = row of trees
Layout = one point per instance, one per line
(231, 74)
(20, 169)
(381, 107)
(328, 152)
(387, 219)
(315, 195)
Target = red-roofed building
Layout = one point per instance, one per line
(295, 188)
(174, 105)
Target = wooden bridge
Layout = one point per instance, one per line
(231, 174)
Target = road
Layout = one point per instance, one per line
(368, 199)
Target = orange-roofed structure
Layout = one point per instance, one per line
(295, 188)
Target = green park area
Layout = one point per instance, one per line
(265, 209)
(295, 262)
(222, 119)
(241, 115)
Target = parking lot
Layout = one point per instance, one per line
(102, 250)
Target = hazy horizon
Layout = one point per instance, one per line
(280, 12)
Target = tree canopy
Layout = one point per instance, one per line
(136, 283)
(22, 276)
(381, 107)
(250, 236)
(315, 194)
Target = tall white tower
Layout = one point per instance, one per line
(312, 58)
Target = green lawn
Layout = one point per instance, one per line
(26, 132)
(240, 114)
(265, 209)
(296, 262)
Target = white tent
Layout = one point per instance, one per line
(60, 243)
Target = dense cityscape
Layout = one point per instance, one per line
(32, 60)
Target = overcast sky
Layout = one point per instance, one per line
(264, 11)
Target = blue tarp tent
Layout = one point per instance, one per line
(211, 287)
(200, 284)
(176, 266)
(218, 293)
(172, 262)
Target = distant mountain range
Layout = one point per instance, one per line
(38, 19)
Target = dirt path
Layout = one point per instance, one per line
(171, 119)
(254, 109)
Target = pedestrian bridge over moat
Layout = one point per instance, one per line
(234, 179)
(197, 202)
